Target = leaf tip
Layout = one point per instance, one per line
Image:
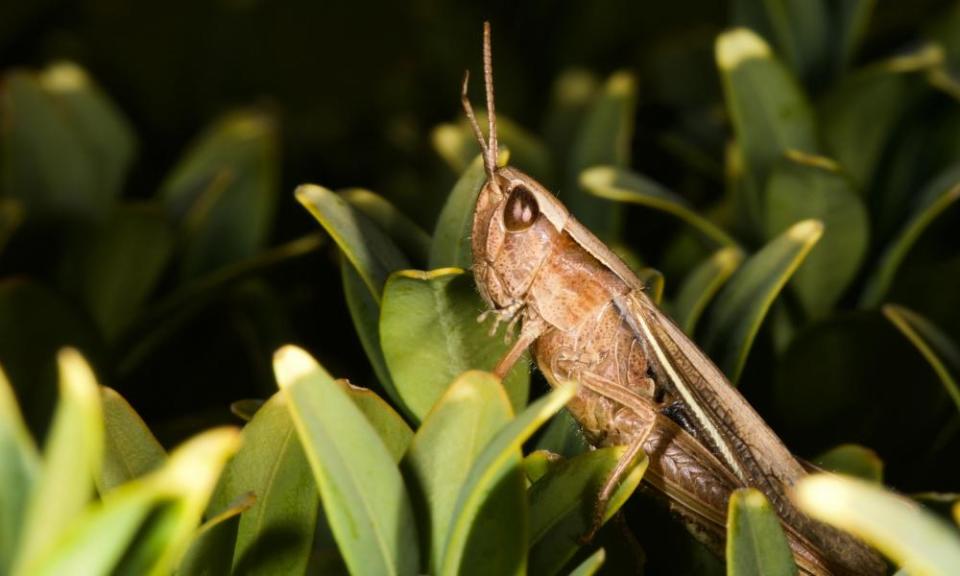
(737, 45)
(64, 77)
(290, 363)
(76, 376)
(622, 83)
(806, 231)
(598, 176)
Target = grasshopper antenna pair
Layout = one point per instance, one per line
(489, 147)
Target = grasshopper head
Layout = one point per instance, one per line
(515, 220)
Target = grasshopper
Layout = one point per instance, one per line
(643, 382)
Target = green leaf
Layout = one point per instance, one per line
(591, 565)
(365, 313)
(603, 138)
(246, 409)
(118, 264)
(829, 370)
(756, 544)
(409, 236)
(146, 525)
(933, 201)
(937, 348)
(65, 148)
(430, 335)
(473, 409)
(802, 187)
(371, 255)
(19, 468)
(852, 460)
(739, 310)
(564, 436)
(768, 110)
(570, 97)
(914, 539)
(859, 116)
(537, 463)
(71, 458)
(275, 535)
(211, 551)
(451, 244)
(800, 29)
(104, 132)
(223, 192)
(702, 284)
(563, 502)
(361, 489)
(391, 427)
(851, 20)
(130, 449)
(622, 185)
(458, 146)
(653, 283)
(498, 460)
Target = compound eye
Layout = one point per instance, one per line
(521, 210)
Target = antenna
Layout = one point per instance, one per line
(490, 149)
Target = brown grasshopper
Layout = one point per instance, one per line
(643, 382)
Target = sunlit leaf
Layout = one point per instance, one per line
(211, 551)
(914, 539)
(473, 409)
(738, 311)
(499, 459)
(19, 467)
(361, 489)
(71, 459)
(368, 249)
(430, 335)
(146, 526)
(391, 427)
(409, 236)
(275, 534)
(368, 258)
(537, 463)
(591, 565)
(564, 500)
(756, 545)
(702, 284)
